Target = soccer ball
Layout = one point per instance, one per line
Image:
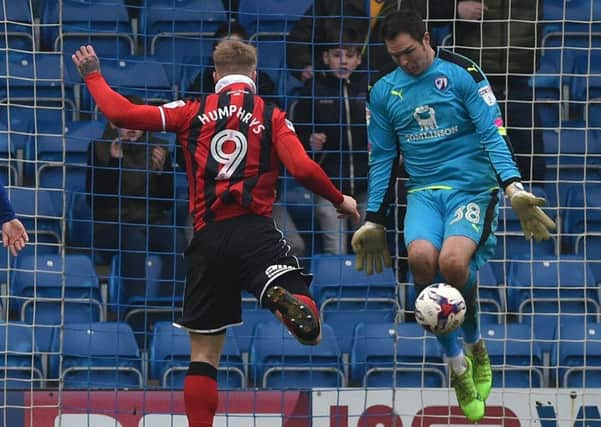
(440, 308)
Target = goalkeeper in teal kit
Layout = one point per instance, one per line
(438, 113)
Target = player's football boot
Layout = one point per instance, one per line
(468, 397)
(298, 312)
(482, 371)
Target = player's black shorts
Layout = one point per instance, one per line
(225, 257)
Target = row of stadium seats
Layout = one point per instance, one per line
(47, 290)
(179, 38)
(105, 355)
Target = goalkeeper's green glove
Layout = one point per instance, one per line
(369, 243)
(535, 223)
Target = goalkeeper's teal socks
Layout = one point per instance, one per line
(471, 323)
(450, 343)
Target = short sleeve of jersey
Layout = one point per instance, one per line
(383, 148)
(485, 113)
(177, 115)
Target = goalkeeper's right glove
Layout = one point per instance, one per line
(535, 223)
(369, 243)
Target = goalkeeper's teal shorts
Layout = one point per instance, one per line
(435, 215)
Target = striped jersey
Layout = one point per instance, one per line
(233, 142)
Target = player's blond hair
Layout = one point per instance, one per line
(234, 57)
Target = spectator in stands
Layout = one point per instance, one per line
(331, 120)
(14, 235)
(203, 82)
(365, 16)
(504, 39)
(130, 183)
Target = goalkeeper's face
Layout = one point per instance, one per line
(413, 56)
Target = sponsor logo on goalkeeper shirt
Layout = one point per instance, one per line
(487, 95)
(425, 116)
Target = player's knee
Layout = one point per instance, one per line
(422, 262)
(454, 267)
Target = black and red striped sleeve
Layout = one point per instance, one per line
(172, 117)
(294, 157)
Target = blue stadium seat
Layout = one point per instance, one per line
(252, 315)
(336, 276)
(588, 246)
(98, 355)
(49, 290)
(103, 23)
(277, 360)
(79, 228)
(516, 358)
(419, 361)
(181, 16)
(572, 159)
(491, 295)
(571, 16)
(182, 52)
(347, 297)
(543, 291)
(37, 101)
(169, 358)
(20, 361)
(17, 25)
(124, 74)
(38, 211)
(582, 212)
(159, 300)
(576, 355)
(299, 202)
(9, 175)
(271, 15)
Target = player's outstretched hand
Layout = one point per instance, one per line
(85, 60)
(14, 236)
(535, 223)
(369, 243)
(348, 207)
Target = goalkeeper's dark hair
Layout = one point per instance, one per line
(403, 21)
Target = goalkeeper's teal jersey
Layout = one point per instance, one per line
(447, 126)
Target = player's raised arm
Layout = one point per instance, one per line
(294, 157)
(116, 108)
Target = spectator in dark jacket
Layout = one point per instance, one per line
(365, 17)
(130, 182)
(330, 119)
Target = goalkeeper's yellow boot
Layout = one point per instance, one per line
(482, 371)
(468, 397)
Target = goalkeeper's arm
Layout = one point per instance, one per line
(535, 223)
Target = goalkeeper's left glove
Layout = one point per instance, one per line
(369, 243)
(535, 223)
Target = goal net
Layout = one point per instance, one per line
(86, 334)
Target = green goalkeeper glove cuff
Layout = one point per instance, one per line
(535, 223)
(369, 243)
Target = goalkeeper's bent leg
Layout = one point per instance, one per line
(475, 346)
(471, 323)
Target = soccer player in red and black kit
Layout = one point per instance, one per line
(233, 143)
